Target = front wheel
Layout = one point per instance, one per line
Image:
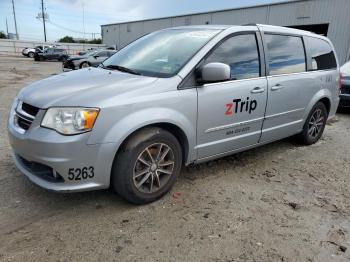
(147, 166)
(84, 65)
(314, 124)
(31, 54)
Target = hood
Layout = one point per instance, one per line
(85, 87)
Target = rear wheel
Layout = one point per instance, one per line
(147, 166)
(314, 124)
(31, 54)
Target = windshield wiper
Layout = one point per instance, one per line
(122, 69)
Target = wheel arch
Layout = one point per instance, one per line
(171, 128)
(80, 65)
(324, 96)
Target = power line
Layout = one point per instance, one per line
(68, 29)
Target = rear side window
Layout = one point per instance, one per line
(322, 54)
(286, 54)
(241, 54)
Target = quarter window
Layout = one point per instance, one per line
(322, 54)
(286, 54)
(241, 54)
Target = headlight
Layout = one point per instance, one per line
(70, 120)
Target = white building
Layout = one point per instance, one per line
(327, 17)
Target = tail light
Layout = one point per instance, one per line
(341, 79)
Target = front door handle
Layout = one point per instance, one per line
(277, 87)
(257, 90)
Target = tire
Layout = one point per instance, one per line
(84, 64)
(135, 180)
(31, 54)
(62, 59)
(314, 125)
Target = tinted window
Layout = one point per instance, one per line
(241, 54)
(285, 54)
(103, 53)
(322, 55)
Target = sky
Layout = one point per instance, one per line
(74, 17)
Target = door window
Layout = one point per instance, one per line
(286, 54)
(241, 54)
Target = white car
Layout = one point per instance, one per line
(31, 51)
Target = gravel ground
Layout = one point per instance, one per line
(280, 202)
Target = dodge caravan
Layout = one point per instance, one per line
(174, 97)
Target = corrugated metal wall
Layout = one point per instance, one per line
(333, 12)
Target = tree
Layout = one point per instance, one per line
(70, 39)
(2, 35)
(66, 39)
(95, 41)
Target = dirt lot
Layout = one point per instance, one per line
(280, 202)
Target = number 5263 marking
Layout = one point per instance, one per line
(81, 173)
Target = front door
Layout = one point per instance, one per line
(231, 113)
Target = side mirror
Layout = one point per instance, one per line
(214, 72)
(96, 56)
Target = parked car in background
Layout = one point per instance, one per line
(30, 52)
(93, 58)
(174, 97)
(345, 86)
(51, 54)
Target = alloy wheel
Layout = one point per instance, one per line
(153, 168)
(316, 123)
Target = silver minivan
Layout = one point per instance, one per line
(174, 97)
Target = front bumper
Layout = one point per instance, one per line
(46, 157)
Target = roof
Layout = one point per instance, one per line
(208, 12)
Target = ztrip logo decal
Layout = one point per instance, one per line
(239, 106)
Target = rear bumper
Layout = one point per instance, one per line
(344, 100)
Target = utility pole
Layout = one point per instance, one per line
(14, 17)
(84, 20)
(43, 17)
(7, 28)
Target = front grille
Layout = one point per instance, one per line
(23, 123)
(25, 115)
(42, 171)
(31, 110)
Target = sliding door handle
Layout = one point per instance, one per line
(257, 90)
(277, 87)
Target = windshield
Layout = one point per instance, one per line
(90, 53)
(162, 53)
(345, 68)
